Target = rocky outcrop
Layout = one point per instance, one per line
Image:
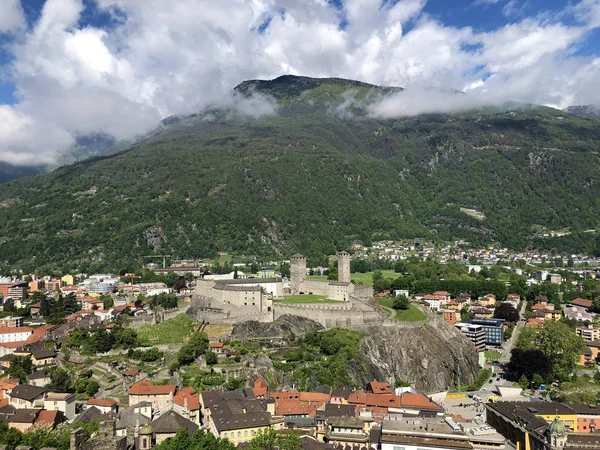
(430, 356)
(282, 327)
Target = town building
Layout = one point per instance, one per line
(588, 332)
(235, 415)
(422, 433)
(475, 333)
(145, 391)
(11, 322)
(65, 403)
(493, 328)
(15, 334)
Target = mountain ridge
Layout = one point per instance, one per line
(304, 178)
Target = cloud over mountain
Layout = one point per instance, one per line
(143, 61)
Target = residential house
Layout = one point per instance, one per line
(22, 419)
(145, 391)
(168, 424)
(189, 403)
(43, 357)
(339, 396)
(104, 405)
(379, 387)
(68, 280)
(14, 334)
(65, 403)
(236, 415)
(26, 396)
(513, 299)
(260, 388)
(217, 347)
(39, 378)
(591, 353)
(91, 303)
(348, 432)
(11, 322)
(588, 333)
(482, 313)
(444, 296)
(581, 303)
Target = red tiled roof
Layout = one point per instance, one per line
(105, 402)
(46, 418)
(411, 400)
(260, 388)
(297, 407)
(379, 387)
(367, 399)
(304, 396)
(147, 388)
(216, 345)
(193, 400)
(583, 302)
(6, 330)
(13, 344)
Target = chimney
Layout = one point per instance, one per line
(244, 410)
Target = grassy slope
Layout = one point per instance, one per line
(172, 331)
(413, 313)
(310, 181)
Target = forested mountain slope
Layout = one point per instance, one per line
(311, 177)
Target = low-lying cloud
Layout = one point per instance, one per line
(155, 59)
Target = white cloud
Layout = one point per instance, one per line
(175, 57)
(12, 17)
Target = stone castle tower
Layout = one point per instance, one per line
(297, 273)
(343, 267)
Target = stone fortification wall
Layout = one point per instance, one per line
(316, 287)
(229, 317)
(330, 315)
(361, 291)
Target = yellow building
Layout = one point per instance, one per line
(68, 280)
(238, 419)
(552, 315)
(566, 415)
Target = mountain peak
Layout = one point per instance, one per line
(293, 86)
(584, 111)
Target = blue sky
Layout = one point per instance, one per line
(72, 67)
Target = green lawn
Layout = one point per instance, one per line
(367, 278)
(412, 314)
(492, 355)
(172, 331)
(306, 298)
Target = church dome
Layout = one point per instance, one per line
(557, 428)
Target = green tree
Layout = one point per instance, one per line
(269, 440)
(211, 358)
(60, 380)
(92, 387)
(563, 347)
(401, 302)
(20, 367)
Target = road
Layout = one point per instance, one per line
(505, 354)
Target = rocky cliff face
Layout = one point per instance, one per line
(283, 326)
(430, 356)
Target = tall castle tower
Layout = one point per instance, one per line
(343, 267)
(297, 273)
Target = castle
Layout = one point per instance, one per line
(232, 301)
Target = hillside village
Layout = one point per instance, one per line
(81, 350)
